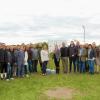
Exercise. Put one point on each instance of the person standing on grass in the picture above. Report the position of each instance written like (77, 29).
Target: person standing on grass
(26, 67)
(72, 56)
(15, 67)
(56, 57)
(13, 60)
(30, 59)
(77, 56)
(39, 50)
(44, 58)
(91, 58)
(98, 59)
(86, 62)
(20, 61)
(82, 58)
(64, 57)
(2, 62)
(35, 57)
(9, 61)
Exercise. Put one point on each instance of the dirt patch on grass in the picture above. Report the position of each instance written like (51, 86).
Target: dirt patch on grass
(61, 93)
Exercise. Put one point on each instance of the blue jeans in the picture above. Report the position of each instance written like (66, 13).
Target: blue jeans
(44, 66)
(82, 66)
(91, 66)
(30, 66)
(20, 69)
(9, 71)
(26, 69)
(77, 62)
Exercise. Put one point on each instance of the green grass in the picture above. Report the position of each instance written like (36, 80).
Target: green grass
(33, 88)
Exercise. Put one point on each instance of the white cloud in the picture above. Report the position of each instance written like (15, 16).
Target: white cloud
(35, 20)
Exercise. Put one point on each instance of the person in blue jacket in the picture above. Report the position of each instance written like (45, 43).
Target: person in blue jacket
(20, 61)
(91, 58)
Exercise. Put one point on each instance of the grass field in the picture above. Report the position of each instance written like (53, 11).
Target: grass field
(33, 88)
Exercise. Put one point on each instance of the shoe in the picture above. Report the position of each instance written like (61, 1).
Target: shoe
(27, 75)
(12, 78)
(1, 78)
(7, 79)
(43, 74)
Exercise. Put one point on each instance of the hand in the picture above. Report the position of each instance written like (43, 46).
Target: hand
(8, 63)
(79, 55)
(93, 58)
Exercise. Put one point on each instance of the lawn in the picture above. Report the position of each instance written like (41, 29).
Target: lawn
(33, 88)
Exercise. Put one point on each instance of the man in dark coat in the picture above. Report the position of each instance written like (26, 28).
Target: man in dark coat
(77, 56)
(64, 57)
(72, 55)
(2, 62)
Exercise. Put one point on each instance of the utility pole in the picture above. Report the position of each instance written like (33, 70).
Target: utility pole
(83, 32)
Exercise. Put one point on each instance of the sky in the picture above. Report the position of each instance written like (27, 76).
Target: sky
(30, 21)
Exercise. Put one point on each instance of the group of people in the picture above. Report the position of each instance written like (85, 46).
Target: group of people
(21, 60)
(84, 57)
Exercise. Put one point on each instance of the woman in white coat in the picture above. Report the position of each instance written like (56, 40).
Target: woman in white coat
(26, 62)
(44, 59)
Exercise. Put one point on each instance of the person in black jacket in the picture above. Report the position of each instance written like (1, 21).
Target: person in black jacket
(2, 62)
(77, 56)
(91, 58)
(56, 57)
(64, 57)
(9, 61)
(72, 55)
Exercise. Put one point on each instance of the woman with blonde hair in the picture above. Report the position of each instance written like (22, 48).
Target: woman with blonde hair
(44, 58)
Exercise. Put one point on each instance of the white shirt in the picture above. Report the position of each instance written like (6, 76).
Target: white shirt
(26, 58)
(44, 55)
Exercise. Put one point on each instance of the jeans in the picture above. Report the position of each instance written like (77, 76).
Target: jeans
(91, 66)
(77, 62)
(82, 66)
(26, 69)
(44, 66)
(30, 66)
(20, 70)
(9, 71)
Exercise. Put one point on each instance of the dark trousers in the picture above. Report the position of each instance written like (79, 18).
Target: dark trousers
(9, 71)
(26, 69)
(72, 60)
(40, 62)
(44, 66)
(3, 66)
(35, 63)
(86, 66)
(57, 61)
(30, 66)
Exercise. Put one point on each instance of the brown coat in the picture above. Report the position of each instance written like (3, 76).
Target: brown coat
(98, 56)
